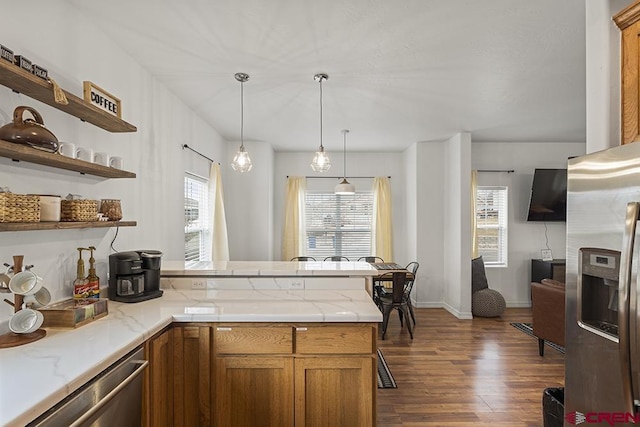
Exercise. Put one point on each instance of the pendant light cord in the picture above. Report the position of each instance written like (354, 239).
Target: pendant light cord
(344, 150)
(321, 146)
(241, 116)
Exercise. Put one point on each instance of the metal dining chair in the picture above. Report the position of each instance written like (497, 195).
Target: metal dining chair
(303, 258)
(336, 258)
(373, 259)
(395, 300)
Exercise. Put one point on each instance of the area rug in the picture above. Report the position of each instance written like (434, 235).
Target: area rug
(385, 379)
(528, 329)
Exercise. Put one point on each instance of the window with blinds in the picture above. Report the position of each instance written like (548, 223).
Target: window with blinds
(338, 224)
(197, 239)
(491, 216)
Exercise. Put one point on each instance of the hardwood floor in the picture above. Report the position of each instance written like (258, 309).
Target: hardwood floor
(480, 372)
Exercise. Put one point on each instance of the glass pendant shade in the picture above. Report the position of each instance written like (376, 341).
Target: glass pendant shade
(321, 161)
(241, 161)
(345, 187)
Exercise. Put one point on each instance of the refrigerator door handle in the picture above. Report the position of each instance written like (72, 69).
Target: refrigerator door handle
(627, 312)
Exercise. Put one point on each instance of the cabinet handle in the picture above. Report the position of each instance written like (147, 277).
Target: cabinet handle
(223, 329)
(301, 329)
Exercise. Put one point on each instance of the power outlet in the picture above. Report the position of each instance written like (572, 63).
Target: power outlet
(198, 284)
(296, 284)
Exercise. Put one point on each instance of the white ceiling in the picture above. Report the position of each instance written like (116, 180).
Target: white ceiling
(399, 71)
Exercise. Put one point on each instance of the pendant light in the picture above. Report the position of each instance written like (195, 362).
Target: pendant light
(345, 187)
(241, 161)
(321, 161)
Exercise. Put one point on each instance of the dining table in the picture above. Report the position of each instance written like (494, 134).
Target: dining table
(399, 276)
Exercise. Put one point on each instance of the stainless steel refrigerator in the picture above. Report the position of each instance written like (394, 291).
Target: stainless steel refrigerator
(602, 364)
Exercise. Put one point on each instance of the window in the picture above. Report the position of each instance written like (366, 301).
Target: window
(197, 246)
(338, 225)
(491, 216)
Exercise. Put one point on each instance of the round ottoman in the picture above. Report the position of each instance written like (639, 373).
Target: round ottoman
(487, 303)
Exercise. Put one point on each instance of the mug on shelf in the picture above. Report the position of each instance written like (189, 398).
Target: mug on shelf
(67, 149)
(116, 162)
(85, 154)
(101, 159)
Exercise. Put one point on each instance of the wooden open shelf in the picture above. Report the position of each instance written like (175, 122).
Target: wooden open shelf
(33, 155)
(26, 226)
(24, 82)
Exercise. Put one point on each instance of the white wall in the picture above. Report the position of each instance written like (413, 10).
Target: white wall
(249, 199)
(525, 238)
(358, 164)
(457, 225)
(603, 74)
(71, 48)
(425, 219)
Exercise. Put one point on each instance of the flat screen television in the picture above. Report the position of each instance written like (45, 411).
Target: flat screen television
(548, 200)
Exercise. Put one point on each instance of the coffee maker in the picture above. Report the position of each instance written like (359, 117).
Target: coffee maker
(134, 276)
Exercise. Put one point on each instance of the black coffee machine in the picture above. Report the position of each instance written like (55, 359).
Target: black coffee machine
(134, 276)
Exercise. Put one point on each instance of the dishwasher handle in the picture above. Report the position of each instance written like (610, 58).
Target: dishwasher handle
(106, 399)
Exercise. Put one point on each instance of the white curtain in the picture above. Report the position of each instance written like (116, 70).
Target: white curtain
(218, 220)
(382, 237)
(294, 230)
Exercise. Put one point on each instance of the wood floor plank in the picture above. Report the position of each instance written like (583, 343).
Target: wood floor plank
(480, 372)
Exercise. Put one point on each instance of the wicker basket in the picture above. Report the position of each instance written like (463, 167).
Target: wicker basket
(79, 210)
(19, 207)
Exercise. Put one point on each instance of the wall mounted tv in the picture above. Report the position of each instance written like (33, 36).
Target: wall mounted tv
(548, 200)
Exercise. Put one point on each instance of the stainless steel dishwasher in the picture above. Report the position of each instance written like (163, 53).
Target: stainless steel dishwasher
(113, 398)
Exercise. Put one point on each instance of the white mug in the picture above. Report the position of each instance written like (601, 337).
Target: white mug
(39, 299)
(116, 162)
(25, 283)
(26, 321)
(101, 159)
(85, 154)
(67, 149)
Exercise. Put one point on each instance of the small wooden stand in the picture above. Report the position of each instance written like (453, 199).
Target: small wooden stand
(11, 339)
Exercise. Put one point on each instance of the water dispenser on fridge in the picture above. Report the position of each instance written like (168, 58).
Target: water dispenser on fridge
(598, 273)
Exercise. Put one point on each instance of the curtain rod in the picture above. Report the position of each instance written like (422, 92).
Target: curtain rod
(497, 170)
(340, 177)
(197, 152)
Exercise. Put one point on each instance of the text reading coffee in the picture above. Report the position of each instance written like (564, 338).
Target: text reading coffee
(104, 102)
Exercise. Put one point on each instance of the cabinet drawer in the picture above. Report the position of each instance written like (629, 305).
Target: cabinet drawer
(334, 340)
(253, 339)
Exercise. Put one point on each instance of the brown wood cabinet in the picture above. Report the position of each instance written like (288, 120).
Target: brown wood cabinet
(158, 385)
(295, 374)
(628, 20)
(334, 391)
(192, 375)
(262, 374)
(254, 391)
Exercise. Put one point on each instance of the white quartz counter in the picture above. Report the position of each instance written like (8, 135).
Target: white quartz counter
(267, 268)
(36, 376)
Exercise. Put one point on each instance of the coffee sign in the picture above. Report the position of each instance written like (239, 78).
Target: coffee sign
(101, 99)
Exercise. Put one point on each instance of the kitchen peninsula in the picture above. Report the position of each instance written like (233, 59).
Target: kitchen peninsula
(292, 322)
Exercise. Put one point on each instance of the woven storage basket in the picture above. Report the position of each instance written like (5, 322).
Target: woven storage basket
(19, 207)
(79, 210)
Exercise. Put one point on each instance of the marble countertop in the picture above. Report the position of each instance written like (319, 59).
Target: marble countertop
(35, 376)
(267, 268)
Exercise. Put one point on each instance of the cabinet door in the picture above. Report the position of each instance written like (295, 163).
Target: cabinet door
(254, 391)
(159, 388)
(192, 375)
(334, 391)
(630, 83)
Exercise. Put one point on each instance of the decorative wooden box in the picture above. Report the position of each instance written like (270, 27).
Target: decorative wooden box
(72, 313)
